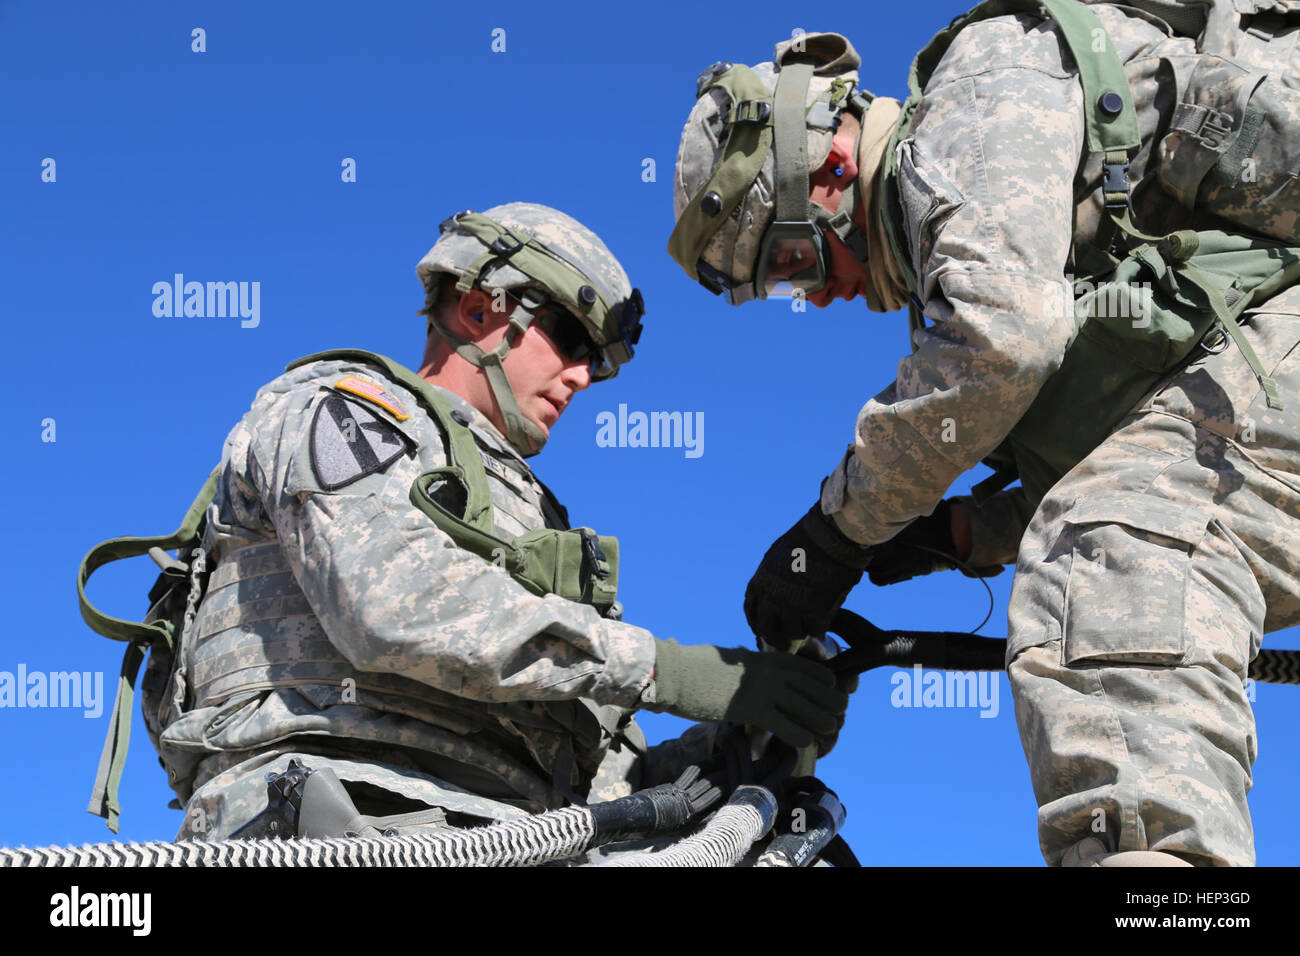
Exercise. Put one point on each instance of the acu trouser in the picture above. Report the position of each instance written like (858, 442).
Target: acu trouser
(1144, 585)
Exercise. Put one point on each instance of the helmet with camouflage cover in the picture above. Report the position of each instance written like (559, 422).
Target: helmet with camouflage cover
(745, 225)
(543, 259)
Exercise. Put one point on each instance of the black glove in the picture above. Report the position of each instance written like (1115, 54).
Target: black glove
(794, 698)
(802, 580)
(923, 547)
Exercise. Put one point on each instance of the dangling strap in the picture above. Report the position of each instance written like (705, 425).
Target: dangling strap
(1228, 320)
(118, 548)
(103, 799)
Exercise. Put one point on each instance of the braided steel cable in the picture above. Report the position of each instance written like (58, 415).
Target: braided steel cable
(556, 835)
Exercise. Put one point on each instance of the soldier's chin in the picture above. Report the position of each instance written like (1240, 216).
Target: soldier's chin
(823, 297)
(840, 289)
(546, 417)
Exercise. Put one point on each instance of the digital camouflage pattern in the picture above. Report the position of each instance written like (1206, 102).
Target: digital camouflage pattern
(456, 251)
(734, 248)
(990, 233)
(344, 624)
(1168, 554)
(1251, 181)
(1129, 676)
(1150, 572)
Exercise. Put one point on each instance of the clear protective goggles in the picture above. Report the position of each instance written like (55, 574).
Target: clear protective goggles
(793, 260)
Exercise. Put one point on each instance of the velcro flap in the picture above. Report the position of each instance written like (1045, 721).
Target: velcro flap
(1144, 512)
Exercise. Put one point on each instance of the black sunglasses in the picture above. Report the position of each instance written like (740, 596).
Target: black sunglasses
(568, 333)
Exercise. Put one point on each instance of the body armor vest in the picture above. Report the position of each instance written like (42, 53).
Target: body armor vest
(230, 677)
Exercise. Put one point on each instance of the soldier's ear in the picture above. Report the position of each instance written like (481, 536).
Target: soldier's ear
(842, 158)
(474, 317)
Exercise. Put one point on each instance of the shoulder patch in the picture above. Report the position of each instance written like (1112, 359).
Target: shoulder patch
(349, 442)
(373, 392)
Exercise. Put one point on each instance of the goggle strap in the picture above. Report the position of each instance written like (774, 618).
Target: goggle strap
(790, 136)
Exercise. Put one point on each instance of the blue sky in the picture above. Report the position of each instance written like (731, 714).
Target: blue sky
(225, 166)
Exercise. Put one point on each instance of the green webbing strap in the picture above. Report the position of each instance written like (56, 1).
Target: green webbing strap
(462, 450)
(1228, 320)
(841, 223)
(139, 636)
(521, 432)
(790, 139)
(118, 548)
(112, 759)
(554, 273)
(1100, 73)
(749, 139)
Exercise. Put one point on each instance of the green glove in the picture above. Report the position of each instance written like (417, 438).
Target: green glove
(794, 698)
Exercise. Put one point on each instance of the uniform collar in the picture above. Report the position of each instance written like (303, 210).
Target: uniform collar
(480, 424)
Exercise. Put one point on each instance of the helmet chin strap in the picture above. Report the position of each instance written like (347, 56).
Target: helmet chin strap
(841, 223)
(523, 435)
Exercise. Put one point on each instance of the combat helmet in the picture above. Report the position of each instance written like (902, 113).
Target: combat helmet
(542, 259)
(745, 225)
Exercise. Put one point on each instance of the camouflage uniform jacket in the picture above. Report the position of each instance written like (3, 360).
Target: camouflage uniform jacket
(340, 618)
(995, 199)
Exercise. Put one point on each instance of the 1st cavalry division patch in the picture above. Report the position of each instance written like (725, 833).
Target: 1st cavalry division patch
(349, 442)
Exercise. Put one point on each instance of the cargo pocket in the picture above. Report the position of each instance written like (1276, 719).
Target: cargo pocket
(1125, 600)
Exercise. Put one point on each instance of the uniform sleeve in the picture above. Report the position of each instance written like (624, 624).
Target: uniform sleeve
(986, 184)
(395, 594)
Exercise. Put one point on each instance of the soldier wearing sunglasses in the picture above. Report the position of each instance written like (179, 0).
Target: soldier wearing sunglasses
(392, 595)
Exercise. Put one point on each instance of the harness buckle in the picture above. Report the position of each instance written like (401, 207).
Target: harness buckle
(1214, 129)
(753, 111)
(1115, 185)
(595, 554)
(506, 245)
